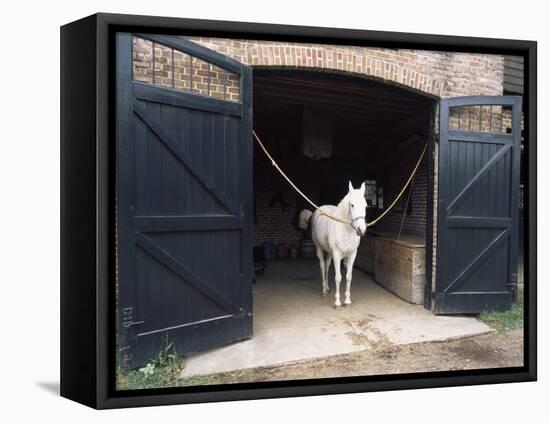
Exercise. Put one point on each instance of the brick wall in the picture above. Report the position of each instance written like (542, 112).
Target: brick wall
(507, 120)
(275, 207)
(441, 74)
(396, 174)
(275, 222)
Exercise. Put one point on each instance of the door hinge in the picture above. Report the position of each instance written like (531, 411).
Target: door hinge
(128, 318)
(513, 284)
(128, 333)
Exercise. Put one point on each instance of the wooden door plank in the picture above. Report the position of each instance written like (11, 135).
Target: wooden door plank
(194, 280)
(475, 180)
(170, 143)
(211, 222)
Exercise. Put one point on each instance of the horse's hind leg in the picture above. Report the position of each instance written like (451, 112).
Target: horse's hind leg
(328, 260)
(321, 257)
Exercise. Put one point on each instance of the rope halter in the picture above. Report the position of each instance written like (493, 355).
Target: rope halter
(351, 221)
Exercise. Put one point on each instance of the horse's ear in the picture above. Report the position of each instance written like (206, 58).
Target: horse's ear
(362, 189)
(350, 186)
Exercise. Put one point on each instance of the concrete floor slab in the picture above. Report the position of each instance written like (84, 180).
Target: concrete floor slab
(293, 322)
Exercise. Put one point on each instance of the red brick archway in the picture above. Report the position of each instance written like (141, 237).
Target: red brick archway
(436, 74)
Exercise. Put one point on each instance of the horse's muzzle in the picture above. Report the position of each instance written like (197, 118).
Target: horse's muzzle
(359, 232)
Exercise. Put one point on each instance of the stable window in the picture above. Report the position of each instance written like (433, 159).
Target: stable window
(156, 64)
(371, 193)
(496, 119)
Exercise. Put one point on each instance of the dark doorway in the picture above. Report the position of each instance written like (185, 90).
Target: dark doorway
(327, 128)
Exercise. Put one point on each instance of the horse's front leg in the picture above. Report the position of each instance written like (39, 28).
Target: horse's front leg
(337, 279)
(349, 268)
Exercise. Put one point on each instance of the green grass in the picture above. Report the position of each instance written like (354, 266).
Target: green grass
(157, 373)
(507, 320)
(165, 371)
(160, 372)
(160, 377)
(167, 374)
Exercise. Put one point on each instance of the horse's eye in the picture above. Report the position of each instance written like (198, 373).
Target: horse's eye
(352, 206)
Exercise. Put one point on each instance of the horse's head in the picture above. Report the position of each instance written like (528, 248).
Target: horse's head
(357, 209)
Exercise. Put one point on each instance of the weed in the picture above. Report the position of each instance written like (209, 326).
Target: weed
(162, 371)
(507, 320)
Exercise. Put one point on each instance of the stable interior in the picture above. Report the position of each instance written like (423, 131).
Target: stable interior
(325, 129)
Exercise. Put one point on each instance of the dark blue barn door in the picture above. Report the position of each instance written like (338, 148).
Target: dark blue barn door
(184, 197)
(478, 204)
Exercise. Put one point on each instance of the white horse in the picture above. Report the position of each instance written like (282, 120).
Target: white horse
(339, 241)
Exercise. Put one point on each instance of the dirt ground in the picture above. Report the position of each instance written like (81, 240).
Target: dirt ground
(497, 349)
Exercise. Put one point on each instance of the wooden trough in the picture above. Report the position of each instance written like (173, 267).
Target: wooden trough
(397, 265)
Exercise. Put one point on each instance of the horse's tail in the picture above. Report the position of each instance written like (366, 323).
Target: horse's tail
(303, 219)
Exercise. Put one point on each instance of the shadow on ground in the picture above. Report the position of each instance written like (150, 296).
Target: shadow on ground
(51, 387)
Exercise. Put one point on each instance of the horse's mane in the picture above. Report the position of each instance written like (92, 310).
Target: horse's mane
(342, 202)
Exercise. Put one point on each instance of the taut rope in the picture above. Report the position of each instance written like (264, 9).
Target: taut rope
(316, 207)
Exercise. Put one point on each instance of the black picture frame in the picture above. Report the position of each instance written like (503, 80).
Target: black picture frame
(87, 211)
